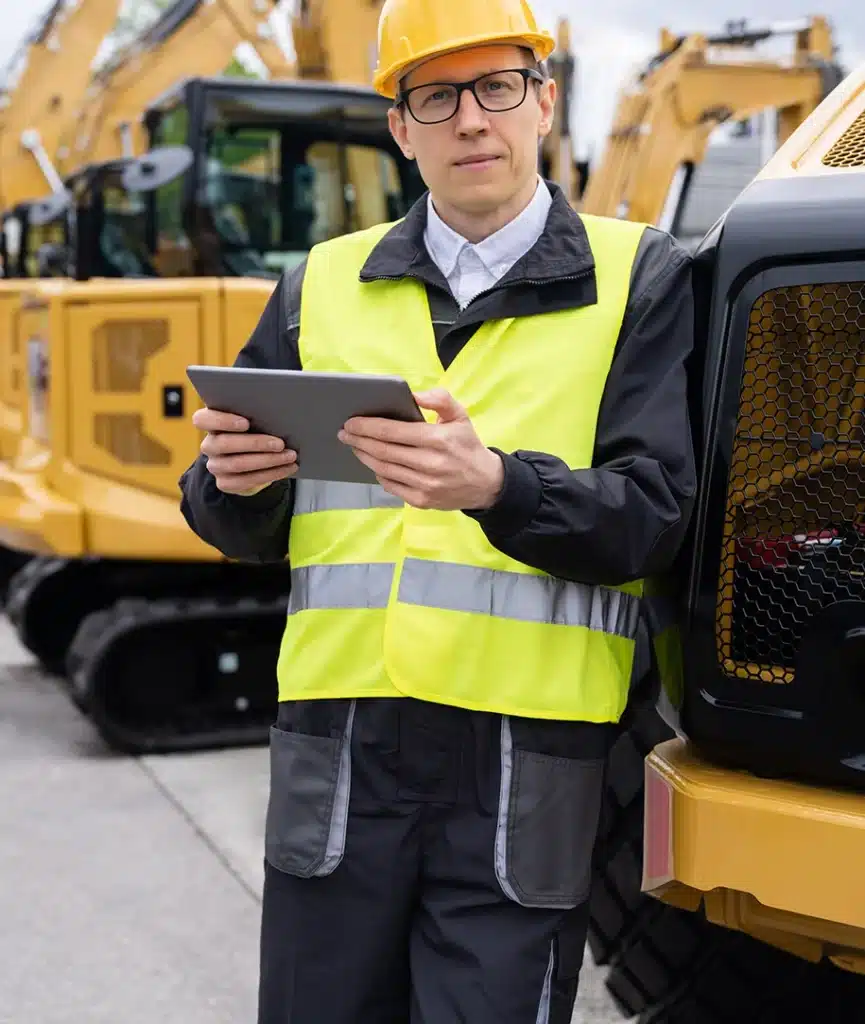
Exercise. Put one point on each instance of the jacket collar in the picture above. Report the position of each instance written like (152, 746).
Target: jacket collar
(562, 251)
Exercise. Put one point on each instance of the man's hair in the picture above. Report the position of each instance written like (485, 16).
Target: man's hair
(535, 64)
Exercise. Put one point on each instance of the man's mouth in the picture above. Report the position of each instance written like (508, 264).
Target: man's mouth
(479, 159)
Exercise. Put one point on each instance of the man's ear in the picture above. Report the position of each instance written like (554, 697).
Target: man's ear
(397, 125)
(547, 103)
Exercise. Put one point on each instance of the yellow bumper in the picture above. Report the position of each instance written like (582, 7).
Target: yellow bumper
(780, 860)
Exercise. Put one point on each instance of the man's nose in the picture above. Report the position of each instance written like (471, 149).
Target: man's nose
(471, 118)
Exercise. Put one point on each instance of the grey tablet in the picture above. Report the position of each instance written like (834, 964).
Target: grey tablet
(307, 410)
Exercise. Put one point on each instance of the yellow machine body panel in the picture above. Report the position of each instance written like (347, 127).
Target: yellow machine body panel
(837, 148)
(768, 857)
(105, 414)
(13, 368)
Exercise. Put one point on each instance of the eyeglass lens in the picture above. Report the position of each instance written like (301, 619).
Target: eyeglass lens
(502, 90)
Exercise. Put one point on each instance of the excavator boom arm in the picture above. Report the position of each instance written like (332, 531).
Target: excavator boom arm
(192, 38)
(49, 90)
(336, 42)
(664, 123)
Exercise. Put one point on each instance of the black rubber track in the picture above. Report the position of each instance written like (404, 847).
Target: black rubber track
(165, 676)
(49, 598)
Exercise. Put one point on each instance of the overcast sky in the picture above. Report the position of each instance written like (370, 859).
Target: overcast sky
(618, 36)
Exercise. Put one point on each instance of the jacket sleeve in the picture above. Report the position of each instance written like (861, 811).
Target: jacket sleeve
(624, 518)
(253, 528)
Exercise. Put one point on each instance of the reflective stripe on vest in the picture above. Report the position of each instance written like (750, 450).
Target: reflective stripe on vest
(465, 588)
(390, 600)
(461, 588)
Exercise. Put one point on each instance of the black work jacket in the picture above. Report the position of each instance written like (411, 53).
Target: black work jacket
(620, 520)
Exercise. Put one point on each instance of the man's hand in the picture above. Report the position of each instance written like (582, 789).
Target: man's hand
(442, 465)
(240, 462)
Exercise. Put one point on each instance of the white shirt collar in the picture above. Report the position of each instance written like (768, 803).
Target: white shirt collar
(499, 251)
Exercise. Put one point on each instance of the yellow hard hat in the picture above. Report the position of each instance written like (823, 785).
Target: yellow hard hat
(410, 31)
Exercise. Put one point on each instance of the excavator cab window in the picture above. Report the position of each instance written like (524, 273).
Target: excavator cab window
(275, 191)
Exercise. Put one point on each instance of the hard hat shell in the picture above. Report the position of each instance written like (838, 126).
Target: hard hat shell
(410, 31)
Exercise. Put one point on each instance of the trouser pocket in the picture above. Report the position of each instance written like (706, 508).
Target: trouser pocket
(310, 784)
(549, 807)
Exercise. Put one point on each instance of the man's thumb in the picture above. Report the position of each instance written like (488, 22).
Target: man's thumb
(441, 402)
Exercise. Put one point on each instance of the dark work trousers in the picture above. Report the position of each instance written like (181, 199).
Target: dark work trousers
(426, 864)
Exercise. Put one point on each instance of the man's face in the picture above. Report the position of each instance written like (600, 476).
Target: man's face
(477, 160)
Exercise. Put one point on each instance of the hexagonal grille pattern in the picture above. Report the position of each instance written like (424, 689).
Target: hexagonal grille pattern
(849, 150)
(794, 527)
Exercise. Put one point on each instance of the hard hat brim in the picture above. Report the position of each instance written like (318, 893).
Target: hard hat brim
(386, 81)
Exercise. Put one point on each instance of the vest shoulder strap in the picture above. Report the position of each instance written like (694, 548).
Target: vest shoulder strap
(610, 237)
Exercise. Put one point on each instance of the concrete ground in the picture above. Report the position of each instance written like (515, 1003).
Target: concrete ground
(129, 888)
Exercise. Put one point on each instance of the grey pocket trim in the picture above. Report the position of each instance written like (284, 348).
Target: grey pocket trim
(548, 815)
(339, 817)
(307, 813)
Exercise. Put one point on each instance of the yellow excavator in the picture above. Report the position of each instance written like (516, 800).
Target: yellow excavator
(665, 117)
(74, 141)
(78, 139)
(728, 886)
(45, 82)
(176, 253)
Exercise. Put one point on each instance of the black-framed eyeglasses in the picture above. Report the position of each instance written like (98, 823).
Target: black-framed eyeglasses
(496, 92)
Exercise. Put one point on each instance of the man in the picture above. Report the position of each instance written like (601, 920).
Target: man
(460, 638)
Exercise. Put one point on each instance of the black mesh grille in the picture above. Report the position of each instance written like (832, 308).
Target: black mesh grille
(794, 529)
(849, 150)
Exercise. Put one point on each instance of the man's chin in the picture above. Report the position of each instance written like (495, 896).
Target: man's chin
(480, 196)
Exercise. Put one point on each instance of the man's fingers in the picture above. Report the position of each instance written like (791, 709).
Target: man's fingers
(232, 465)
(442, 402)
(398, 454)
(232, 444)
(394, 472)
(238, 484)
(415, 435)
(214, 419)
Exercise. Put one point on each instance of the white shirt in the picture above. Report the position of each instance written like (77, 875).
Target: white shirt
(470, 269)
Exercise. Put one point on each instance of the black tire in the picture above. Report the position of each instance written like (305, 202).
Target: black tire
(737, 979)
(616, 899)
(671, 966)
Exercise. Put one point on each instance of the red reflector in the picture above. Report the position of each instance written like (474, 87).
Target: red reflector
(657, 831)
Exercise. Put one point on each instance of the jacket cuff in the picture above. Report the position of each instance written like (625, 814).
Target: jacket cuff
(518, 500)
(267, 500)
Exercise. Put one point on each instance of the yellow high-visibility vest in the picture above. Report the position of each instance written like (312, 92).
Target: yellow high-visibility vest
(389, 600)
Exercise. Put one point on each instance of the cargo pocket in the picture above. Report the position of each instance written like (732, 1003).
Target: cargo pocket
(548, 815)
(307, 812)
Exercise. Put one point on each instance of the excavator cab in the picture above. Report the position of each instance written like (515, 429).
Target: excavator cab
(278, 167)
(35, 238)
(110, 225)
